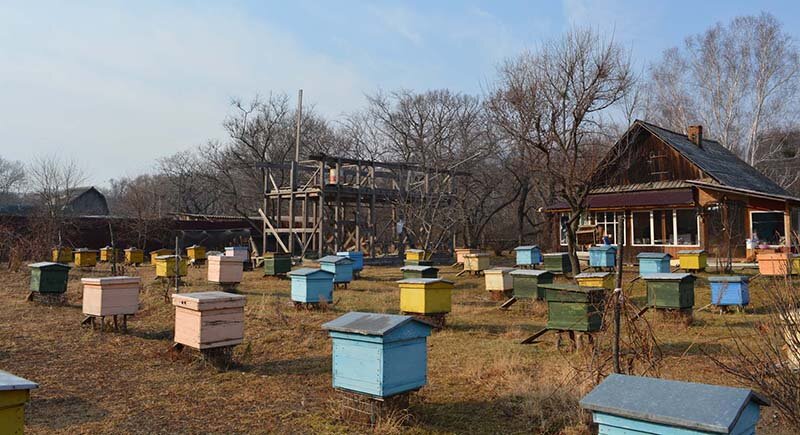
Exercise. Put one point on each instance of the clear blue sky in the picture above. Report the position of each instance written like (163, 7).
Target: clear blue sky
(118, 84)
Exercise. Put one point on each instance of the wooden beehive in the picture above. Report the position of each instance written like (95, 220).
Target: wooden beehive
(627, 405)
(418, 263)
(277, 264)
(729, 290)
(693, 259)
(48, 277)
(477, 262)
(602, 256)
(165, 266)
(460, 252)
(240, 252)
(110, 296)
(158, 253)
(419, 272)
(342, 268)
(670, 290)
(653, 262)
(557, 262)
(85, 257)
(62, 255)
(196, 253)
(526, 283)
(774, 263)
(415, 254)
(208, 319)
(224, 270)
(14, 393)
(596, 279)
(499, 279)
(574, 308)
(425, 295)
(108, 254)
(311, 285)
(529, 255)
(356, 256)
(379, 355)
(134, 256)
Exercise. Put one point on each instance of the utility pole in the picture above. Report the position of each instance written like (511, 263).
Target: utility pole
(297, 126)
(293, 171)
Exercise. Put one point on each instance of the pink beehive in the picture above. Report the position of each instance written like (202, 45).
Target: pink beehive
(110, 296)
(225, 269)
(206, 320)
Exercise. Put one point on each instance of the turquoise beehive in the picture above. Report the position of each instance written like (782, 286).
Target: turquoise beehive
(311, 285)
(342, 268)
(602, 256)
(356, 256)
(653, 262)
(379, 355)
(528, 255)
(623, 405)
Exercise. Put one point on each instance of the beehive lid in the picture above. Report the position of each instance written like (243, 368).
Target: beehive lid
(416, 268)
(691, 251)
(306, 271)
(356, 322)
(555, 254)
(202, 300)
(11, 382)
(572, 288)
(656, 255)
(221, 258)
(530, 272)
(499, 270)
(276, 255)
(48, 264)
(110, 280)
(729, 278)
(334, 259)
(236, 248)
(166, 257)
(423, 281)
(194, 247)
(477, 254)
(415, 250)
(526, 248)
(701, 407)
(665, 276)
(592, 275)
(132, 249)
(350, 254)
(105, 248)
(602, 248)
(84, 250)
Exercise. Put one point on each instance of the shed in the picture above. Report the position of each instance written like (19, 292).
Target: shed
(134, 256)
(419, 272)
(225, 270)
(529, 255)
(196, 253)
(311, 285)
(602, 256)
(693, 259)
(206, 320)
(477, 262)
(730, 290)
(415, 254)
(48, 277)
(108, 254)
(158, 253)
(342, 268)
(85, 257)
(670, 290)
(276, 263)
(653, 262)
(596, 279)
(62, 254)
(14, 393)
(774, 263)
(526, 283)
(165, 266)
(379, 355)
(574, 308)
(356, 256)
(557, 262)
(460, 252)
(624, 404)
(111, 296)
(425, 295)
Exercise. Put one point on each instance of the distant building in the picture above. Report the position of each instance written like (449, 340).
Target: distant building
(82, 201)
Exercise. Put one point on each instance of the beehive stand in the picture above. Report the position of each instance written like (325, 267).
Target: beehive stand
(366, 410)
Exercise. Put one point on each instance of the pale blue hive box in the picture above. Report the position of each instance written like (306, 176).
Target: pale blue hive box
(528, 255)
(342, 268)
(602, 256)
(356, 256)
(653, 262)
(311, 285)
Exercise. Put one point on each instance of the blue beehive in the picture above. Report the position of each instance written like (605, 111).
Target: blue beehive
(528, 255)
(356, 256)
(342, 268)
(729, 290)
(602, 256)
(379, 355)
(624, 404)
(311, 285)
(653, 262)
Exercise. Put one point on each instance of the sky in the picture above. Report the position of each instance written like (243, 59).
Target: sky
(117, 84)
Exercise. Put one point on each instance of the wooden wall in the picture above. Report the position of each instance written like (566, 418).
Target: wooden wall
(649, 160)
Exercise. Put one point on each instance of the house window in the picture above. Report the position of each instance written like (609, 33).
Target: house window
(666, 228)
(608, 222)
(642, 230)
(767, 227)
(663, 228)
(686, 227)
(563, 219)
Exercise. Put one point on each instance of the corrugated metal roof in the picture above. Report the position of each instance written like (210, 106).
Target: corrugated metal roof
(728, 278)
(638, 187)
(14, 382)
(691, 251)
(308, 271)
(656, 255)
(689, 405)
(530, 272)
(526, 248)
(42, 264)
(368, 323)
(592, 275)
(665, 276)
(423, 281)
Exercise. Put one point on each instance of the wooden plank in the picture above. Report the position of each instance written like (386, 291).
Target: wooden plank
(532, 338)
(275, 233)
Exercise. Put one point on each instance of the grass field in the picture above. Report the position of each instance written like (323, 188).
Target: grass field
(480, 379)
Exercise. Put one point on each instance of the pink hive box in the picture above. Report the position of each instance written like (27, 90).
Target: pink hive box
(206, 320)
(110, 296)
(225, 269)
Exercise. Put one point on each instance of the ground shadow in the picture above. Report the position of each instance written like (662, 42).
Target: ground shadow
(62, 412)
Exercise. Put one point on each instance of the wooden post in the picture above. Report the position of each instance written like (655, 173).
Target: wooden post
(321, 216)
(177, 266)
(292, 186)
(787, 227)
(617, 299)
(358, 207)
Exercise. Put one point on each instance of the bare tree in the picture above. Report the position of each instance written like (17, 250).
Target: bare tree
(12, 177)
(53, 180)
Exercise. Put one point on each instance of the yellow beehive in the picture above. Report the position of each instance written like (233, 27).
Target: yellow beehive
(14, 393)
(108, 253)
(415, 255)
(165, 266)
(196, 253)
(499, 279)
(159, 252)
(694, 259)
(596, 279)
(476, 262)
(460, 252)
(425, 295)
(62, 255)
(134, 256)
(85, 257)
(795, 265)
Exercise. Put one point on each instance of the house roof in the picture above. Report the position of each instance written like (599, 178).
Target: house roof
(368, 323)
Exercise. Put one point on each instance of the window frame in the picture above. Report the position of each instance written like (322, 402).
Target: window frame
(752, 212)
(674, 242)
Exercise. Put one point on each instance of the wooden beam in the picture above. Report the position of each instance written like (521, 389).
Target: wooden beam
(275, 233)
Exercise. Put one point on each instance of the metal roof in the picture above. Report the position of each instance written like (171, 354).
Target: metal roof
(334, 259)
(43, 264)
(554, 254)
(689, 405)
(530, 272)
(603, 248)
(305, 271)
(499, 270)
(13, 382)
(423, 281)
(729, 278)
(571, 287)
(640, 187)
(368, 323)
(416, 268)
(692, 251)
(593, 275)
(209, 296)
(526, 248)
(665, 276)
(658, 255)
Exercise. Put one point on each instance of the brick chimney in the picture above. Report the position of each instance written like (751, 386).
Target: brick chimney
(695, 134)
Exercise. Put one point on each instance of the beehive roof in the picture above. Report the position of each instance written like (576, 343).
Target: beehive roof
(729, 278)
(665, 276)
(691, 251)
(356, 322)
(44, 264)
(423, 281)
(602, 248)
(658, 255)
(333, 259)
(554, 254)
(526, 248)
(531, 272)
(417, 268)
(689, 405)
(415, 250)
(593, 275)
(112, 280)
(499, 270)
(305, 271)
(12, 382)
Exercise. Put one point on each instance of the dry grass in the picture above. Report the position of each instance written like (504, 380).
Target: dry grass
(480, 379)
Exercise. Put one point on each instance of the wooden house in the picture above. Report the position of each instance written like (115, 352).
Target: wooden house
(225, 270)
(111, 296)
(527, 283)
(675, 191)
(379, 355)
(654, 262)
(529, 255)
(108, 254)
(557, 262)
(357, 257)
(693, 259)
(311, 286)
(425, 295)
(624, 404)
(342, 268)
(276, 263)
(62, 254)
(165, 266)
(158, 253)
(48, 277)
(596, 279)
(729, 290)
(85, 257)
(206, 320)
(196, 253)
(14, 393)
(134, 256)
(602, 256)
(419, 272)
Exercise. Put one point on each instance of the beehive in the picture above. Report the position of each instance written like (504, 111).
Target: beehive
(526, 283)
(240, 252)
(47, 277)
(415, 254)
(379, 355)
(342, 268)
(419, 272)
(158, 253)
(134, 256)
(477, 262)
(557, 262)
(224, 270)
(460, 252)
(208, 319)
(165, 266)
(729, 290)
(62, 255)
(14, 393)
(499, 279)
(528, 255)
(196, 253)
(625, 405)
(110, 296)
(774, 263)
(653, 262)
(602, 256)
(795, 264)
(693, 259)
(311, 285)
(108, 254)
(574, 308)
(85, 257)
(425, 295)
(596, 279)
(418, 263)
(356, 256)
(670, 290)
(277, 264)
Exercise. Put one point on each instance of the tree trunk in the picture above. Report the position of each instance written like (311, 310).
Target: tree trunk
(572, 250)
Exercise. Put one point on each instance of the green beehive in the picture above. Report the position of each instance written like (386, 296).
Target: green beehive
(670, 290)
(574, 308)
(527, 283)
(557, 262)
(277, 264)
(410, 272)
(418, 263)
(47, 277)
